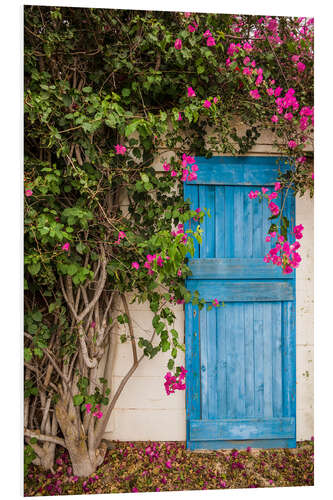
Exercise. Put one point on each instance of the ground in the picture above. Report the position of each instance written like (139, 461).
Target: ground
(168, 466)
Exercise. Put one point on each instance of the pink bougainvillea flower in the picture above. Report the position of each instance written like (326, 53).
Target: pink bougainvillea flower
(187, 14)
(207, 34)
(160, 261)
(88, 407)
(300, 67)
(190, 92)
(277, 186)
(298, 231)
(215, 100)
(273, 234)
(268, 238)
(179, 272)
(179, 117)
(210, 41)
(28, 192)
(255, 94)
(178, 44)
(277, 91)
(292, 144)
(270, 91)
(98, 414)
(288, 116)
(120, 150)
(281, 239)
(134, 490)
(192, 28)
(166, 166)
(274, 119)
(215, 303)
(192, 176)
(173, 173)
(207, 104)
(93, 324)
(65, 247)
(272, 196)
(247, 47)
(273, 208)
(312, 176)
(195, 168)
(264, 190)
(135, 265)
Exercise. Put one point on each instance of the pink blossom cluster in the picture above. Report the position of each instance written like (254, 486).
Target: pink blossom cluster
(121, 236)
(120, 150)
(171, 383)
(283, 253)
(65, 247)
(151, 258)
(189, 168)
(97, 413)
(180, 230)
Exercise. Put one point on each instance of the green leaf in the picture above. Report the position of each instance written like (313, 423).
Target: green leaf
(37, 316)
(126, 92)
(27, 354)
(144, 178)
(78, 399)
(171, 364)
(34, 268)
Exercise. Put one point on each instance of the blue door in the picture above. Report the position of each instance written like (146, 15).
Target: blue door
(240, 357)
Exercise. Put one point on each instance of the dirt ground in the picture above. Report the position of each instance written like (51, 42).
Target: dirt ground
(168, 466)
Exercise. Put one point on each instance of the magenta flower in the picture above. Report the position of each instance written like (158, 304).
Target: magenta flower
(255, 94)
(168, 464)
(187, 14)
(120, 150)
(215, 303)
(273, 208)
(210, 41)
(292, 144)
(66, 247)
(207, 34)
(268, 238)
(274, 119)
(288, 116)
(264, 190)
(135, 265)
(179, 117)
(247, 47)
(88, 407)
(166, 166)
(277, 186)
(190, 92)
(277, 91)
(300, 67)
(179, 272)
(178, 44)
(93, 324)
(215, 100)
(246, 60)
(28, 192)
(270, 91)
(207, 104)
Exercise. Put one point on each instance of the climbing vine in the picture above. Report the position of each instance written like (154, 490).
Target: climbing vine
(118, 105)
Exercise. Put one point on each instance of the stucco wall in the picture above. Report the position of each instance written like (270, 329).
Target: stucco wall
(145, 412)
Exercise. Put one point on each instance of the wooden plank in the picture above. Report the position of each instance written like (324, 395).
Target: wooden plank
(211, 365)
(207, 200)
(239, 333)
(220, 231)
(258, 338)
(231, 348)
(219, 444)
(289, 359)
(235, 268)
(204, 362)
(191, 192)
(237, 171)
(276, 360)
(247, 224)
(243, 291)
(249, 360)
(242, 428)
(229, 222)
(222, 382)
(193, 409)
(238, 217)
(268, 327)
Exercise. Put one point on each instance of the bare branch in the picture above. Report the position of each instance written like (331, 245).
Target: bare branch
(44, 437)
(130, 326)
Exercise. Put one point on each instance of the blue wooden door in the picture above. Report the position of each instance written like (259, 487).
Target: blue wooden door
(241, 387)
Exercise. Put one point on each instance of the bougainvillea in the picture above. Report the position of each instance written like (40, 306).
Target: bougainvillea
(107, 94)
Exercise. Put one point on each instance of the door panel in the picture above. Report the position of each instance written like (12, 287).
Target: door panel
(240, 356)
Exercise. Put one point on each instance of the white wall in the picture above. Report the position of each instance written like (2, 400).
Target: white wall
(145, 412)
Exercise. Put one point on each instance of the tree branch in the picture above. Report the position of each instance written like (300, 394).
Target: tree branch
(44, 437)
